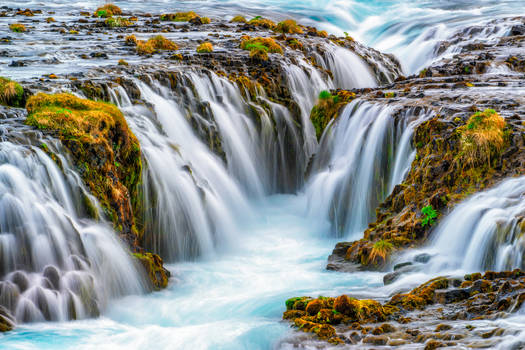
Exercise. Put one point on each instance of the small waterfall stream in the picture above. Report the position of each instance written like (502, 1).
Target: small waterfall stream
(485, 232)
(56, 264)
(363, 155)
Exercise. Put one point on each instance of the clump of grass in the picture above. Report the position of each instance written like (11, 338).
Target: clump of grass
(381, 249)
(11, 93)
(50, 20)
(429, 216)
(322, 34)
(205, 20)
(108, 10)
(262, 22)
(205, 48)
(122, 62)
(131, 40)
(270, 44)
(288, 26)
(482, 137)
(158, 42)
(260, 47)
(179, 16)
(295, 44)
(114, 22)
(18, 28)
(238, 19)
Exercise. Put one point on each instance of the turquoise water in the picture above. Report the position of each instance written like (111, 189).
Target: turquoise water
(234, 300)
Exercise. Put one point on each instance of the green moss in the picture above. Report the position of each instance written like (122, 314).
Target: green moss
(327, 108)
(179, 16)
(153, 266)
(17, 28)
(115, 22)
(98, 137)
(288, 26)
(11, 93)
(238, 19)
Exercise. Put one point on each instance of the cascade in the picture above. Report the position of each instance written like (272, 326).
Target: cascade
(484, 232)
(55, 263)
(263, 150)
(362, 156)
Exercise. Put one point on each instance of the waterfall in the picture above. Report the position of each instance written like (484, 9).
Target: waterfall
(362, 156)
(484, 232)
(55, 264)
(348, 69)
(191, 202)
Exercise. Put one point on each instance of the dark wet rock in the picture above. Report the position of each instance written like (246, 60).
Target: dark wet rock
(451, 296)
(393, 276)
(52, 274)
(401, 265)
(423, 258)
(7, 321)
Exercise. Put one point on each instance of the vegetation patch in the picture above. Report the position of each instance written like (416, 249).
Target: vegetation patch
(107, 11)
(260, 47)
(205, 48)
(327, 109)
(104, 149)
(114, 22)
(11, 93)
(179, 16)
(482, 138)
(259, 21)
(153, 265)
(288, 26)
(238, 19)
(155, 44)
(18, 28)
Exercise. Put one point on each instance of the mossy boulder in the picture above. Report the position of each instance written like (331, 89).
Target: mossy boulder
(327, 108)
(153, 266)
(104, 150)
(11, 93)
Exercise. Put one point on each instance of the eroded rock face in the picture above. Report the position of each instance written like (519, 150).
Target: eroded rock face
(423, 315)
(441, 175)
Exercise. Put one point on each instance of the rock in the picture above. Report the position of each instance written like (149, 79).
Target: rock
(398, 266)
(376, 340)
(518, 29)
(450, 295)
(52, 274)
(393, 276)
(423, 258)
(7, 322)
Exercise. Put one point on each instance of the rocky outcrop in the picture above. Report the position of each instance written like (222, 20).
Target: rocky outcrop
(421, 316)
(461, 151)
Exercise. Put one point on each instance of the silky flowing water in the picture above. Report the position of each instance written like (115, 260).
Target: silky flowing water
(236, 257)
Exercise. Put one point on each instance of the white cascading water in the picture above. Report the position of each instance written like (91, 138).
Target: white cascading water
(211, 194)
(348, 69)
(363, 155)
(484, 232)
(204, 201)
(55, 264)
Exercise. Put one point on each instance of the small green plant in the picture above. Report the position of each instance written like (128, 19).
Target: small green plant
(325, 95)
(429, 216)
